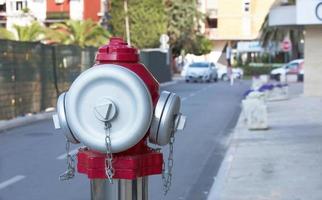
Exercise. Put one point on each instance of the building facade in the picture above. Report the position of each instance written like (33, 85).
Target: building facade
(307, 14)
(231, 21)
(22, 12)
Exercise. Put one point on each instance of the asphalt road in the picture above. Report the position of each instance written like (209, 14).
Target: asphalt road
(31, 157)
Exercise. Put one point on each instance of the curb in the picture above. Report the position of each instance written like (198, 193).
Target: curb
(21, 121)
(224, 170)
(169, 83)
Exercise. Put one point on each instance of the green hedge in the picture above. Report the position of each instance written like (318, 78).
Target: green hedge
(275, 65)
(254, 71)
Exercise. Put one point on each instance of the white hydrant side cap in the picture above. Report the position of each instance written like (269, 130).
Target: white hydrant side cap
(56, 121)
(180, 122)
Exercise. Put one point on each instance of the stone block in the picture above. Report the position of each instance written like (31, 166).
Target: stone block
(255, 113)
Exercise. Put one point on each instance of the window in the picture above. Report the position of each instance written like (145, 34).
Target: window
(59, 1)
(212, 22)
(199, 65)
(19, 5)
(246, 5)
(292, 66)
(3, 8)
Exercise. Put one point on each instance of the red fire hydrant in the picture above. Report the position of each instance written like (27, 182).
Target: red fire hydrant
(140, 160)
(115, 110)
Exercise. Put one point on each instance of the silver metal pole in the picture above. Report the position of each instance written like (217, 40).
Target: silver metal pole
(127, 26)
(121, 189)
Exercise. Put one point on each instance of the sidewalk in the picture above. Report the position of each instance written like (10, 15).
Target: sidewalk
(282, 163)
(24, 120)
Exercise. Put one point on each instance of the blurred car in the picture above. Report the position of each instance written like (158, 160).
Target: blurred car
(238, 73)
(222, 70)
(293, 67)
(201, 71)
(300, 76)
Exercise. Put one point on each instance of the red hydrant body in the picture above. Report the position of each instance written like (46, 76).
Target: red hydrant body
(140, 160)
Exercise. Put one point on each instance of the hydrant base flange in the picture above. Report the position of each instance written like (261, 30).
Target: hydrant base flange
(92, 163)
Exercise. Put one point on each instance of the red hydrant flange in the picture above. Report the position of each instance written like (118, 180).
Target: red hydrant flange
(92, 163)
(140, 160)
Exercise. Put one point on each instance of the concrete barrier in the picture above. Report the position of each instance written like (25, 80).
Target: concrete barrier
(255, 111)
(279, 92)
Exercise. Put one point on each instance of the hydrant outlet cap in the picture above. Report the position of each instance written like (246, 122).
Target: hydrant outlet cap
(117, 50)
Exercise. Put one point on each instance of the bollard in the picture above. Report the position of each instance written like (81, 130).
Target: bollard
(255, 111)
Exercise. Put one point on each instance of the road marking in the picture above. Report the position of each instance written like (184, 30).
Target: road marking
(195, 93)
(11, 181)
(63, 156)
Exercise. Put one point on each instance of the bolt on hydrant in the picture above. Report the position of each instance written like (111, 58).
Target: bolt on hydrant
(115, 110)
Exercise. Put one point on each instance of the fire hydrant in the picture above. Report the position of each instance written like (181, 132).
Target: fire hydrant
(115, 109)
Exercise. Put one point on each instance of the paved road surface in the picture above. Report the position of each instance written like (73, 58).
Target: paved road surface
(31, 156)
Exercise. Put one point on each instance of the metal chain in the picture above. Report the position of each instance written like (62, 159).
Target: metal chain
(109, 170)
(167, 174)
(70, 172)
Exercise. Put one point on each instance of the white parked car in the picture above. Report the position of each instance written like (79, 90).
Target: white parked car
(222, 70)
(293, 67)
(201, 71)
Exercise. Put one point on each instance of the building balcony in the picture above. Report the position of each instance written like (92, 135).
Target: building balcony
(57, 15)
(305, 12)
(283, 16)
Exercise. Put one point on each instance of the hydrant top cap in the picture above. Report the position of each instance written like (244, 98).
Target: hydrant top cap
(117, 50)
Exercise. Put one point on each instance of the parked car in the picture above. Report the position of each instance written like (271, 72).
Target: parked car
(201, 71)
(293, 67)
(223, 72)
(300, 76)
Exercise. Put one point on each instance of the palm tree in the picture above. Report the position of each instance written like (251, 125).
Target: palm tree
(33, 32)
(6, 35)
(81, 33)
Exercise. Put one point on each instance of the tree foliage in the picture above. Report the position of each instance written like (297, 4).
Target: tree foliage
(183, 27)
(147, 21)
(32, 32)
(201, 45)
(5, 34)
(181, 24)
(81, 33)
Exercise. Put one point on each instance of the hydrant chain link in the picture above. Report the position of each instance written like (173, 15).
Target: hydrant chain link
(167, 174)
(109, 170)
(70, 172)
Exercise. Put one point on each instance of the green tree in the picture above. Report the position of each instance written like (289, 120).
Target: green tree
(181, 24)
(183, 27)
(32, 32)
(147, 21)
(81, 33)
(202, 45)
(5, 34)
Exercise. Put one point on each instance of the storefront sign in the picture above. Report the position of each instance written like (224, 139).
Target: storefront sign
(318, 11)
(309, 12)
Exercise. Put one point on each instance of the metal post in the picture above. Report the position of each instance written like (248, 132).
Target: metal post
(127, 26)
(121, 189)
